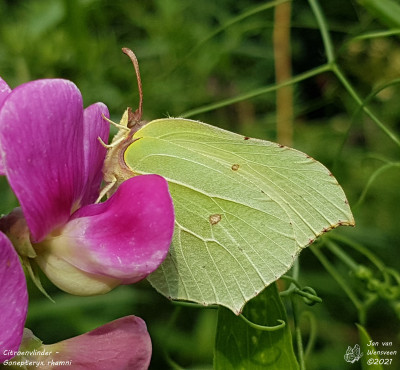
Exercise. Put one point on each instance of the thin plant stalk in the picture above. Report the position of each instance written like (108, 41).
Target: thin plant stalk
(283, 72)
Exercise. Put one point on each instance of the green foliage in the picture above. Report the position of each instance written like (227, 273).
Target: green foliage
(240, 346)
(387, 11)
(365, 340)
(205, 57)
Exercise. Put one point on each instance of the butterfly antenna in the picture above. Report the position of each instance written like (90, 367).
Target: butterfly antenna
(132, 57)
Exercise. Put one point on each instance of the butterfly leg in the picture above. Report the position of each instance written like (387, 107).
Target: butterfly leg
(106, 189)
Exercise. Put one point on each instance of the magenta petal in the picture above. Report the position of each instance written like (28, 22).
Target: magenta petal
(41, 136)
(120, 344)
(128, 236)
(2, 169)
(95, 126)
(13, 299)
(4, 92)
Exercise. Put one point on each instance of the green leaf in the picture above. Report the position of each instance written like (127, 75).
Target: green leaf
(365, 340)
(240, 346)
(244, 208)
(33, 271)
(387, 11)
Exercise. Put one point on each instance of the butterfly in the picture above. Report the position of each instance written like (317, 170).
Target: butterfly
(244, 207)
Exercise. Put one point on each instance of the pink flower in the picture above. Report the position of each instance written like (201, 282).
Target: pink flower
(120, 344)
(13, 299)
(52, 158)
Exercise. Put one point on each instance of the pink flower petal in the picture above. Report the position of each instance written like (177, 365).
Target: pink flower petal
(127, 237)
(95, 126)
(4, 92)
(13, 299)
(123, 344)
(41, 136)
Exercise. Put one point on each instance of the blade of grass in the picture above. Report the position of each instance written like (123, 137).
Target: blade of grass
(262, 90)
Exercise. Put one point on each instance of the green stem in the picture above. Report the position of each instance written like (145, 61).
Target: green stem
(376, 91)
(223, 27)
(339, 74)
(375, 34)
(291, 279)
(323, 26)
(263, 90)
(372, 179)
(169, 327)
(299, 342)
(335, 249)
(360, 249)
(361, 307)
(281, 325)
(298, 289)
(312, 297)
(336, 70)
(173, 365)
(313, 333)
(293, 287)
(238, 19)
(339, 279)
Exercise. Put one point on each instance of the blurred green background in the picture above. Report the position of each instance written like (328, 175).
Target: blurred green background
(185, 64)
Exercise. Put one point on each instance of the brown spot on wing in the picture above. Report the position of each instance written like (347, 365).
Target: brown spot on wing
(214, 219)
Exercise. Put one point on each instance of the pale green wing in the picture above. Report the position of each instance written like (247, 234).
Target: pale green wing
(244, 208)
